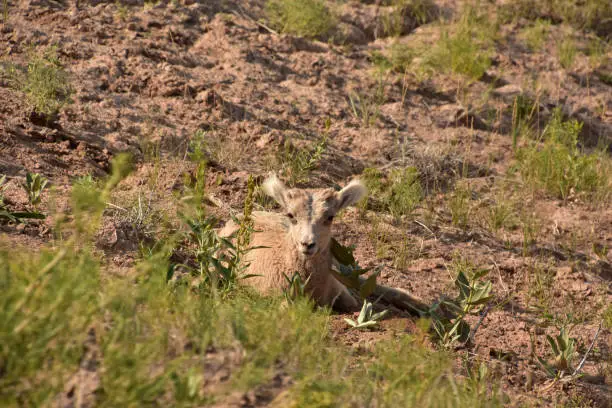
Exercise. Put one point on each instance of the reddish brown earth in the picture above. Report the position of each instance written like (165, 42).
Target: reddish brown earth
(156, 76)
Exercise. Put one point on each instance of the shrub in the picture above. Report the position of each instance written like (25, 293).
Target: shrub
(44, 82)
(536, 35)
(560, 167)
(305, 18)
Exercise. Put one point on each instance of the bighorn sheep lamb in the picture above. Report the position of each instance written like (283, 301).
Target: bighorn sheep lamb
(298, 241)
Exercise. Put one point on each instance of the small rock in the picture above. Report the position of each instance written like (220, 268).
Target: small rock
(508, 90)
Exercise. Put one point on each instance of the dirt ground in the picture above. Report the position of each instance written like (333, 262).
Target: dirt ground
(146, 80)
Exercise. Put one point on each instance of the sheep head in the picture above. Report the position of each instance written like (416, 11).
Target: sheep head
(310, 213)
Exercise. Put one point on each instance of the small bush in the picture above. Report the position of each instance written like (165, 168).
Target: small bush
(559, 167)
(305, 18)
(536, 35)
(405, 191)
(460, 54)
(44, 82)
(465, 49)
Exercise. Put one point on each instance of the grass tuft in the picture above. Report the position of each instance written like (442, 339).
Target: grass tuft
(399, 192)
(567, 52)
(559, 166)
(465, 48)
(536, 36)
(304, 18)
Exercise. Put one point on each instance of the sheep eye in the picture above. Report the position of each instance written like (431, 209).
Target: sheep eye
(290, 216)
(330, 218)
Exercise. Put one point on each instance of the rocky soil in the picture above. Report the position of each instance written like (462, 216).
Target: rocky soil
(148, 77)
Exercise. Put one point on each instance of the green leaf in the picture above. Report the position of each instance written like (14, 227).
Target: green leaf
(364, 311)
(463, 331)
(553, 345)
(369, 323)
(482, 371)
(170, 272)
(29, 214)
(343, 254)
(8, 215)
(249, 275)
(463, 285)
(380, 315)
(368, 286)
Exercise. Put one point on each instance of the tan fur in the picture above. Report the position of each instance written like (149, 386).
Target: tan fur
(300, 243)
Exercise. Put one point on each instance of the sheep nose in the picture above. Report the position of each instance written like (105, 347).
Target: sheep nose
(308, 245)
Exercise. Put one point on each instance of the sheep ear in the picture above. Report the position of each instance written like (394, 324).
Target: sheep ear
(275, 189)
(350, 194)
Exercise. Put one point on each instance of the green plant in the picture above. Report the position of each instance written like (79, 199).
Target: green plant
(123, 11)
(588, 14)
(466, 48)
(5, 11)
(473, 292)
(524, 110)
(459, 205)
(218, 261)
(14, 216)
(381, 63)
(366, 318)
(567, 52)
(49, 302)
(405, 191)
(296, 287)
(530, 227)
(34, 186)
(366, 107)
(536, 35)
(305, 18)
(563, 349)
(540, 280)
(499, 214)
(607, 317)
(350, 273)
(296, 164)
(399, 193)
(405, 15)
(44, 82)
(559, 167)
(401, 56)
(597, 52)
